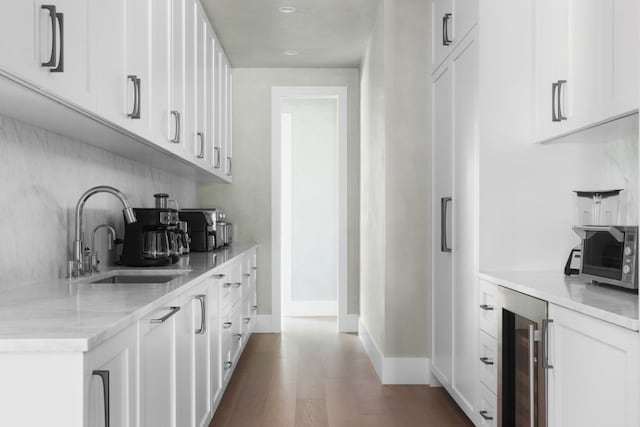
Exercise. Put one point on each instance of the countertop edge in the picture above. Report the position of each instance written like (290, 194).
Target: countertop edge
(607, 316)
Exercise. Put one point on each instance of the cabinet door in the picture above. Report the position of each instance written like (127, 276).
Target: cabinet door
(595, 376)
(229, 118)
(177, 94)
(136, 78)
(160, 72)
(621, 38)
(567, 71)
(202, 152)
(215, 337)
(185, 367)
(111, 377)
(190, 97)
(203, 303)
(465, 314)
(220, 164)
(34, 35)
(210, 99)
(157, 395)
(441, 330)
(442, 25)
(107, 57)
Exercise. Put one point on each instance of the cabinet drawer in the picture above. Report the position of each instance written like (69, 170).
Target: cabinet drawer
(487, 407)
(488, 321)
(488, 361)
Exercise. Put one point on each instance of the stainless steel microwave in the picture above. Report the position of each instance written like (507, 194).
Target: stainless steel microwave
(609, 254)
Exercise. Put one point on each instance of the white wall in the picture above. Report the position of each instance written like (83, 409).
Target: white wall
(248, 199)
(42, 175)
(314, 198)
(395, 180)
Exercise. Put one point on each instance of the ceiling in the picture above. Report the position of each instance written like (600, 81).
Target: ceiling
(325, 33)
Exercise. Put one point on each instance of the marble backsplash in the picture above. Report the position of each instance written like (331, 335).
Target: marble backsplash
(42, 175)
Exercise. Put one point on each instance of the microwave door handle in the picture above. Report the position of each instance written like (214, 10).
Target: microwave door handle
(581, 231)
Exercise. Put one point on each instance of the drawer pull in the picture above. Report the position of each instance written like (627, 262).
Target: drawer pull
(226, 285)
(237, 337)
(218, 276)
(104, 376)
(227, 325)
(486, 361)
(236, 285)
(485, 414)
(254, 307)
(486, 307)
(247, 319)
(172, 311)
(254, 268)
(247, 274)
(228, 365)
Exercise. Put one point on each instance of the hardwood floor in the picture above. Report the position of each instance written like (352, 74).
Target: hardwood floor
(312, 376)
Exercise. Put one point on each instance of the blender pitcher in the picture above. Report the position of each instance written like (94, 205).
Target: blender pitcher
(598, 207)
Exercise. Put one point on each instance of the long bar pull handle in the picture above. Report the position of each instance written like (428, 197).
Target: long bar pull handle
(176, 136)
(531, 375)
(229, 172)
(135, 112)
(201, 136)
(104, 376)
(486, 361)
(545, 343)
(172, 311)
(54, 37)
(216, 151)
(561, 116)
(485, 414)
(554, 114)
(203, 308)
(445, 29)
(444, 202)
(60, 67)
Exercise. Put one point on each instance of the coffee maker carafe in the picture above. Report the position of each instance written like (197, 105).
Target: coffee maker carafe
(147, 241)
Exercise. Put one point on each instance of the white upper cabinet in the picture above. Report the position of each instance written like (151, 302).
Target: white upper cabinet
(177, 93)
(138, 49)
(160, 72)
(585, 64)
(451, 21)
(45, 43)
(202, 152)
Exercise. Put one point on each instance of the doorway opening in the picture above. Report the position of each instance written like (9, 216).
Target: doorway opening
(309, 199)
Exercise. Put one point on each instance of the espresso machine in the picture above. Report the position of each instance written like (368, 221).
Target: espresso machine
(152, 240)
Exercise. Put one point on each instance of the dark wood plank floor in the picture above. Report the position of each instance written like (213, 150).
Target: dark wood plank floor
(312, 376)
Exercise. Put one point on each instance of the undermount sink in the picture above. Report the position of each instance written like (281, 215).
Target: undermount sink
(138, 277)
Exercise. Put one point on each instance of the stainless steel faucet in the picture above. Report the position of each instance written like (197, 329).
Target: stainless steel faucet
(129, 216)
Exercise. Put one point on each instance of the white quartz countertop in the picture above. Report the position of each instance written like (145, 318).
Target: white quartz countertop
(74, 316)
(613, 305)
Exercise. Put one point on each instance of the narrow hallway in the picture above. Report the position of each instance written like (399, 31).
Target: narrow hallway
(312, 376)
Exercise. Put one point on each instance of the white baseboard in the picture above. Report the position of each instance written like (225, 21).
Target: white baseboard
(348, 323)
(310, 308)
(263, 324)
(395, 370)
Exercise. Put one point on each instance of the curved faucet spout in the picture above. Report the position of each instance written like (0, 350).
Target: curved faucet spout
(129, 216)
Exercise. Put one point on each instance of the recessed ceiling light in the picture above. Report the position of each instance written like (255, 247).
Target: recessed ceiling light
(290, 52)
(287, 9)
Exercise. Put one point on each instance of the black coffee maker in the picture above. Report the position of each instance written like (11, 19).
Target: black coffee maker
(149, 241)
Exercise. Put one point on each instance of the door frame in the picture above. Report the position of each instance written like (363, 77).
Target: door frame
(278, 94)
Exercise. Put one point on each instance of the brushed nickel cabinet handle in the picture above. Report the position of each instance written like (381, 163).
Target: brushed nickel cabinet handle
(135, 112)
(237, 337)
(486, 361)
(445, 29)
(203, 307)
(176, 117)
(172, 311)
(561, 116)
(227, 325)
(54, 36)
(247, 274)
(444, 203)
(60, 67)
(554, 91)
(254, 307)
(485, 414)
(226, 285)
(486, 307)
(237, 285)
(246, 320)
(229, 172)
(218, 276)
(228, 365)
(104, 376)
(545, 344)
(216, 150)
(201, 136)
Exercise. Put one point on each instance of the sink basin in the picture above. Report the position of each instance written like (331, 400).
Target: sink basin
(138, 277)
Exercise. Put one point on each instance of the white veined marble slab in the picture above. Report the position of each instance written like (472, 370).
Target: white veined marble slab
(71, 315)
(606, 303)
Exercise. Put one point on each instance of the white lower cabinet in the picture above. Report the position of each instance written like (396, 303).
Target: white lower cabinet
(110, 379)
(595, 377)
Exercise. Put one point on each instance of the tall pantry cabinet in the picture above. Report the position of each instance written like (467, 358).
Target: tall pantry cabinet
(454, 181)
